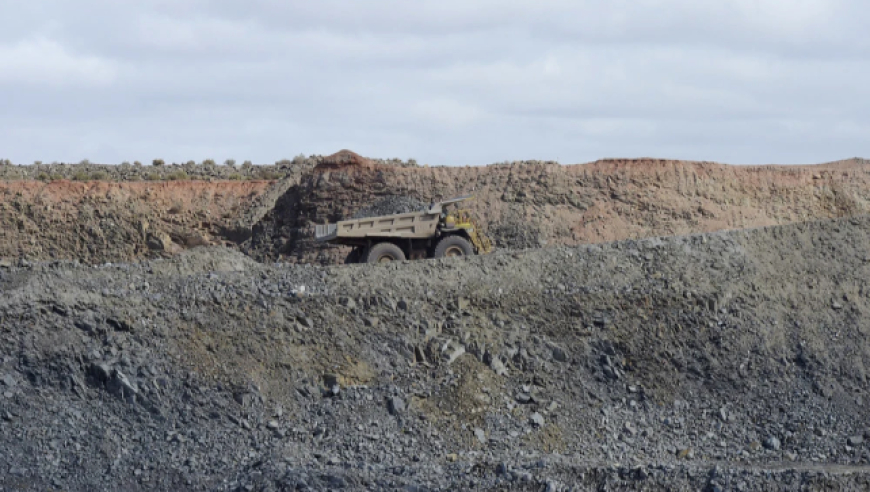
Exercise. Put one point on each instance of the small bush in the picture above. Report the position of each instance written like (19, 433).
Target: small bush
(247, 165)
(37, 163)
(235, 176)
(5, 162)
(100, 176)
(84, 162)
(158, 162)
(153, 177)
(178, 176)
(208, 162)
(284, 163)
(80, 176)
(56, 177)
(230, 163)
(126, 163)
(137, 163)
(270, 175)
(43, 177)
(190, 163)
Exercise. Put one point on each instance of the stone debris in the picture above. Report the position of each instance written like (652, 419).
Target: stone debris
(672, 363)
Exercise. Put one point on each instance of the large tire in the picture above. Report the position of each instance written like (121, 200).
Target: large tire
(453, 246)
(355, 256)
(385, 253)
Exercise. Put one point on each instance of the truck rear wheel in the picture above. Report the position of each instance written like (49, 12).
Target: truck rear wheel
(453, 246)
(385, 253)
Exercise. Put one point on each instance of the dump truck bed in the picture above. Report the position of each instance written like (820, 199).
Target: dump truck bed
(417, 225)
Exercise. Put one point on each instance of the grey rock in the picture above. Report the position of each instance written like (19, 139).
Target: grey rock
(348, 302)
(559, 354)
(395, 405)
(335, 481)
(480, 434)
(498, 367)
(553, 486)
(9, 380)
(855, 440)
(243, 398)
(121, 386)
(772, 443)
(102, 373)
(537, 419)
(454, 352)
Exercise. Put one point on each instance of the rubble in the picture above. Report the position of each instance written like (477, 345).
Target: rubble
(678, 363)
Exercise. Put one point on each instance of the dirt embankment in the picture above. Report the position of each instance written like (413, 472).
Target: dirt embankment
(533, 204)
(522, 205)
(100, 221)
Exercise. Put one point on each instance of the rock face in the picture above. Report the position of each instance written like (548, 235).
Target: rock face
(703, 362)
(522, 205)
(98, 222)
(532, 204)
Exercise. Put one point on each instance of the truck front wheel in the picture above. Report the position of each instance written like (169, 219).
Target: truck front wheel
(453, 246)
(385, 253)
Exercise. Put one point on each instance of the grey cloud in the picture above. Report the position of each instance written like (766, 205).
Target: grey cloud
(447, 82)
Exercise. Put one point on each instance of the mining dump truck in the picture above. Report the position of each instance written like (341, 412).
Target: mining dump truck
(431, 233)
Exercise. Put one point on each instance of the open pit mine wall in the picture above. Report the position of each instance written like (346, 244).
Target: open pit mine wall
(527, 205)
(521, 205)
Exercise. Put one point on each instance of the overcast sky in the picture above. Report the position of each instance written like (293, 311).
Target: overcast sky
(450, 82)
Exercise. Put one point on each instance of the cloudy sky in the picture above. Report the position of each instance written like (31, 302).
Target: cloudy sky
(450, 82)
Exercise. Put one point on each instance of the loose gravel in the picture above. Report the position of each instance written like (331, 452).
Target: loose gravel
(727, 361)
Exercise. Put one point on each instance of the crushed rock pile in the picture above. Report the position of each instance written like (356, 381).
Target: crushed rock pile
(726, 361)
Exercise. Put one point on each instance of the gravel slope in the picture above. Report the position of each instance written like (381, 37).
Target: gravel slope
(725, 361)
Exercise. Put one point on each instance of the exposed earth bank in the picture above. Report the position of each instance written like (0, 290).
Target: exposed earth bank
(533, 204)
(522, 205)
(725, 361)
(97, 222)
